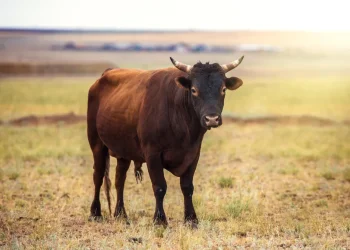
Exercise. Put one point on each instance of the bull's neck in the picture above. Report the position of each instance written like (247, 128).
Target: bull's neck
(186, 115)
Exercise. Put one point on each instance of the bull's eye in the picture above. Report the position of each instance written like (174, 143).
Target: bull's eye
(223, 90)
(194, 91)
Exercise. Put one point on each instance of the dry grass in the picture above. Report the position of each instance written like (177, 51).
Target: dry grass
(275, 193)
(278, 197)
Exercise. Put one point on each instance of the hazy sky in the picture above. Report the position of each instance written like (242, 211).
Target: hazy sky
(311, 15)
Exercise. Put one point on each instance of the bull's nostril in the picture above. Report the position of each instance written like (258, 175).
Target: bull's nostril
(212, 120)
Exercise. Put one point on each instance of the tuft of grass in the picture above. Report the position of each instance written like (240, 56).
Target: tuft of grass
(321, 203)
(2, 175)
(13, 176)
(225, 182)
(159, 231)
(328, 175)
(299, 229)
(20, 203)
(237, 207)
(290, 170)
(44, 171)
(346, 174)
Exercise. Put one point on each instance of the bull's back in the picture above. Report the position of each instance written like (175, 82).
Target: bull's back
(114, 105)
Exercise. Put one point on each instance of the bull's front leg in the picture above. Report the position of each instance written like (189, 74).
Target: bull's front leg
(187, 188)
(156, 173)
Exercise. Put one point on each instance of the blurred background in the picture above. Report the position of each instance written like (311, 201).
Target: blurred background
(276, 174)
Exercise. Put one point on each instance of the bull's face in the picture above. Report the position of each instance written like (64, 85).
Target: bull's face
(207, 85)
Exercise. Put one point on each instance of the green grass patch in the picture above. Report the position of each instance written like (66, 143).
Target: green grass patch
(346, 174)
(321, 203)
(43, 96)
(226, 182)
(237, 207)
(328, 175)
(323, 97)
(43, 141)
(13, 175)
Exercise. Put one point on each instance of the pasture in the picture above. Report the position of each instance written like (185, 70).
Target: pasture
(258, 185)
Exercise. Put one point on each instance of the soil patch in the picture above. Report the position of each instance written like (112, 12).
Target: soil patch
(64, 68)
(33, 120)
(71, 118)
(298, 120)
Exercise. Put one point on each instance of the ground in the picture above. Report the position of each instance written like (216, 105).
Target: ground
(269, 184)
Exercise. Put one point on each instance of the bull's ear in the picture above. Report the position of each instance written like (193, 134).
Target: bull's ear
(233, 83)
(183, 82)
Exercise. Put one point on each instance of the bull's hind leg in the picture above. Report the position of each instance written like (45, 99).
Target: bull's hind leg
(100, 154)
(101, 165)
(120, 176)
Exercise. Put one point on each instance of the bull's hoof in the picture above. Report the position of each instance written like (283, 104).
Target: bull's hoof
(120, 213)
(160, 222)
(122, 218)
(193, 224)
(94, 218)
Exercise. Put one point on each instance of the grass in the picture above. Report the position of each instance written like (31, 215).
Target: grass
(347, 174)
(237, 207)
(257, 186)
(328, 175)
(324, 97)
(48, 203)
(13, 176)
(225, 182)
(42, 96)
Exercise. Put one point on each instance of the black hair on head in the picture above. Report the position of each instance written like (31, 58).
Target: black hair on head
(206, 68)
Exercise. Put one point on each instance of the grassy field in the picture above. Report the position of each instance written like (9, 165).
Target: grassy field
(324, 97)
(257, 186)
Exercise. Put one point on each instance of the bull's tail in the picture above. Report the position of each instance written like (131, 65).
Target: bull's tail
(108, 184)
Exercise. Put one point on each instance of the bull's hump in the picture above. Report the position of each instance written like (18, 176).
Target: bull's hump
(119, 76)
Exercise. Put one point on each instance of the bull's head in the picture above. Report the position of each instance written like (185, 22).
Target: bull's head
(208, 84)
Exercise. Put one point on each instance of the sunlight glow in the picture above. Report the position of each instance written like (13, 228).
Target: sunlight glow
(308, 15)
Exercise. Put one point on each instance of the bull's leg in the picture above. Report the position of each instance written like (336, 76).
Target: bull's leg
(101, 161)
(120, 176)
(156, 173)
(186, 182)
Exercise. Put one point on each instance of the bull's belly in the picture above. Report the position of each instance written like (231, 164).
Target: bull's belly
(121, 140)
(124, 148)
(178, 160)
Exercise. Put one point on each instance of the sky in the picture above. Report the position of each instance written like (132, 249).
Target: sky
(220, 15)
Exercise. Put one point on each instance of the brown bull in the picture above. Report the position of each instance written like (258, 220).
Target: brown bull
(158, 117)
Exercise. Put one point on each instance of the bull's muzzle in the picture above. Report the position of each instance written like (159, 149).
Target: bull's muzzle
(212, 121)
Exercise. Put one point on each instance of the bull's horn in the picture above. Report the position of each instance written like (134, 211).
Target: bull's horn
(230, 66)
(181, 66)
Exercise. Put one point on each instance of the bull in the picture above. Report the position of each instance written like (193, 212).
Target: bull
(157, 117)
